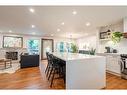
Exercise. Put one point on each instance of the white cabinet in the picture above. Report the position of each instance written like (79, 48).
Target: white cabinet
(113, 64)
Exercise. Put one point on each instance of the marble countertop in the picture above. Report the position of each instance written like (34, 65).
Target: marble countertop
(113, 54)
(74, 56)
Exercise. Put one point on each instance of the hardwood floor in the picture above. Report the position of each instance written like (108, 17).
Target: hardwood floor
(115, 82)
(29, 78)
(34, 78)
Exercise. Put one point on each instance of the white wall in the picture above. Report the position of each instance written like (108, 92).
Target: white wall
(19, 50)
(121, 47)
(125, 24)
(59, 39)
(87, 42)
(25, 38)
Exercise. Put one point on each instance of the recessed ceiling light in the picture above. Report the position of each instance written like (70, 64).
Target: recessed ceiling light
(70, 36)
(52, 35)
(58, 29)
(86, 34)
(62, 23)
(88, 24)
(74, 12)
(10, 31)
(31, 10)
(33, 33)
(33, 26)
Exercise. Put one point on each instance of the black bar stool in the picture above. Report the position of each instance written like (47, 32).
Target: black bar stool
(57, 67)
(49, 65)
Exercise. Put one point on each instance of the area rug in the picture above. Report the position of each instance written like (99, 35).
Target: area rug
(13, 69)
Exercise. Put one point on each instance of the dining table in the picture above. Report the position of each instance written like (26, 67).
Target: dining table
(84, 71)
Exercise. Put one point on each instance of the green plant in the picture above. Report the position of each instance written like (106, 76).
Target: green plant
(92, 51)
(116, 37)
(74, 48)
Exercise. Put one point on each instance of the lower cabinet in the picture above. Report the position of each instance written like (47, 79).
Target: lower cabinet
(113, 63)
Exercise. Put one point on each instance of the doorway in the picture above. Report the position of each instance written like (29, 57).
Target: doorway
(47, 45)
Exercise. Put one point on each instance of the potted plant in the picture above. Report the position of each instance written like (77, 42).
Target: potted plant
(74, 48)
(116, 37)
(92, 51)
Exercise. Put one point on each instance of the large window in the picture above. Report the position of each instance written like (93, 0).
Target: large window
(64, 47)
(33, 46)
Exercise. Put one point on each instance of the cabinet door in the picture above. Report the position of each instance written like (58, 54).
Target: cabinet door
(108, 62)
(113, 64)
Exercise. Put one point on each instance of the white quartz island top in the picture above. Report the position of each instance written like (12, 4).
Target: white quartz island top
(74, 56)
(84, 71)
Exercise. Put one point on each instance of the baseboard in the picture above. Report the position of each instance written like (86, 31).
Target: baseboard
(113, 73)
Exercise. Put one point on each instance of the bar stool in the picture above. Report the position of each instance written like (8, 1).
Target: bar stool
(57, 68)
(49, 64)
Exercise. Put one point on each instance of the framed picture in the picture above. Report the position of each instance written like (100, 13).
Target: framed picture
(12, 42)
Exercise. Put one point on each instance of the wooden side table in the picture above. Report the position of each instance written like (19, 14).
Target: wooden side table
(5, 62)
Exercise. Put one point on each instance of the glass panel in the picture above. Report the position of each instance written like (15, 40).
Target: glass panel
(64, 47)
(33, 46)
(47, 47)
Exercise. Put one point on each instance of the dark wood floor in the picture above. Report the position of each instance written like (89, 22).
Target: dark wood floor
(34, 78)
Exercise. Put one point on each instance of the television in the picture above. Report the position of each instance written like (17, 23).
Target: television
(12, 42)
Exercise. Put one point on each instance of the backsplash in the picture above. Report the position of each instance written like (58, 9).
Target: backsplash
(121, 47)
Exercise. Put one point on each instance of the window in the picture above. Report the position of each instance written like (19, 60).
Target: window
(33, 46)
(64, 47)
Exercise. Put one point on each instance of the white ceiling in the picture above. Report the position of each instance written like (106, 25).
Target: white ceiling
(48, 19)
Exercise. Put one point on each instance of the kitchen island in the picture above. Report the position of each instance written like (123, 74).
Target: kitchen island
(84, 71)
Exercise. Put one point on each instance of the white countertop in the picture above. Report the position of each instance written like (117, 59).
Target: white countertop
(113, 54)
(73, 56)
(84, 71)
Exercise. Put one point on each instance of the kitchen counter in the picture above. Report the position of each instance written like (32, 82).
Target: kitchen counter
(112, 54)
(84, 71)
(112, 62)
(74, 56)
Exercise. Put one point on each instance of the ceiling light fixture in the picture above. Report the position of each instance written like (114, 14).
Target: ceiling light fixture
(58, 29)
(87, 24)
(62, 23)
(33, 26)
(70, 36)
(52, 35)
(31, 10)
(86, 34)
(10, 31)
(33, 33)
(74, 12)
